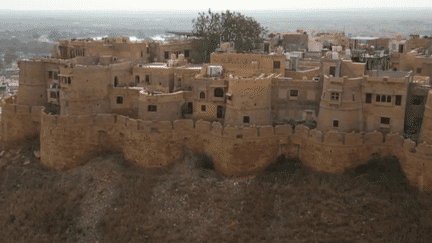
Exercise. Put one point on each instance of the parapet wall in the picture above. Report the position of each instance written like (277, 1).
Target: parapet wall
(236, 151)
(19, 122)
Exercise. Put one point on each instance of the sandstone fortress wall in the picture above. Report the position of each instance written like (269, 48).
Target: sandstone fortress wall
(93, 97)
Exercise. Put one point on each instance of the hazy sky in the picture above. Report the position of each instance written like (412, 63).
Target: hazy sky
(215, 5)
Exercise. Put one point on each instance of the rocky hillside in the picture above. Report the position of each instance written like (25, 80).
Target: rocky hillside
(110, 200)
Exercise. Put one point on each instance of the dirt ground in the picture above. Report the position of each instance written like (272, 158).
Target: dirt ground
(110, 200)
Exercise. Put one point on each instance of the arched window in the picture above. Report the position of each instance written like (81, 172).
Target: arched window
(202, 95)
(383, 98)
(115, 81)
(137, 79)
(388, 99)
(378, 98)
(218, 92)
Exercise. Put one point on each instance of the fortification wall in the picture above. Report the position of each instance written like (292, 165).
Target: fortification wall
(19, 122)
(236, 151)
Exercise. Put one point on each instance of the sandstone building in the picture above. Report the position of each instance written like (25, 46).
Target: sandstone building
(152, 100)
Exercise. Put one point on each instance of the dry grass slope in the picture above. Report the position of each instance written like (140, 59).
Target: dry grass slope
(110, 200)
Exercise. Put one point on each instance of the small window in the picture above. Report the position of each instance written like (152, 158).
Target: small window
(152, 108)
(334, 96)
(276, 64)
(419, 70)
(166, 55)
(398, 101)
(388, 98)
(190, 107)
(55, 75)
(368, 98)
(142, 53)
(147, 79)
(383, 98)
(115, 81)
(332, 71)
(50, 74)
(239, 136)
(53, 94)
(378, 98)
(294, 93)
(335, 123)
(385, 120)
(148, 49)
(246, 119)
(229, 97)
(186, 53)
(202, 95)
(69, 81)
(218, 92)
(137, 79)
(119, 100)
(203, 108)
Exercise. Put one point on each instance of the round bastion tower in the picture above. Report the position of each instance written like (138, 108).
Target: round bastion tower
(33, 82)
(341, 105)
(248, 101)
(426, 129)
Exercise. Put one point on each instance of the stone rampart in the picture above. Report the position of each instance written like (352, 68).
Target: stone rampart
(236, 151)
(19, 122)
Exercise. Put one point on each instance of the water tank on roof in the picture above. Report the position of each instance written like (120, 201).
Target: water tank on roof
(214, 71)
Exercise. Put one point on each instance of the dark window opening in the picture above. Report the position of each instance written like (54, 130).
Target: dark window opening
(378, 98)
(276, 64)
(334, 96)
(401, 48)
(203, 108)
(385, 120)
(335, 123)
(186, 53)
(230, 97)
(53, 95)
(332, 71)
(246, 119)
(142, 53)
(152, 108)
(218, 92)
(147, 79)
(266, 47)
(119, 100)
(294, 93)
(50, 74)
(398, 101)
(166, 55)
(219, 112)
(368, 98)
(239, 136)
(148, 49)
(69, 81)
(383, 98)
(55, 75)
(419, 70)
(202, 95)
(137, 79)
(388, 99)
(115, 81)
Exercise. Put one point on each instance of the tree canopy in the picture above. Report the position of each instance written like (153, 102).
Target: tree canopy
(213, 28)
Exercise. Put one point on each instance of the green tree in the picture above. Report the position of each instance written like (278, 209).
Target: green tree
(214, 28)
